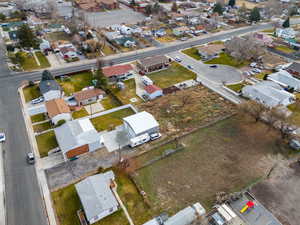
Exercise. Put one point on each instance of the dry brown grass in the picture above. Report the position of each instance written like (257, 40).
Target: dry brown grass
(185, 110)
(227, 156)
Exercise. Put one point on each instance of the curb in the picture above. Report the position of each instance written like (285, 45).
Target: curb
(41, 176)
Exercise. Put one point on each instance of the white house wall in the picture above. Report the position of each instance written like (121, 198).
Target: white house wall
(54, 94)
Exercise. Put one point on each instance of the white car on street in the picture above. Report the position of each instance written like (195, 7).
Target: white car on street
(2, 137)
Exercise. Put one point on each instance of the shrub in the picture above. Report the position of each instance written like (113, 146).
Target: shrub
(60, 122)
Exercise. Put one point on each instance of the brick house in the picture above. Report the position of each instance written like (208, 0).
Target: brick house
(88, 96)
(151, 64)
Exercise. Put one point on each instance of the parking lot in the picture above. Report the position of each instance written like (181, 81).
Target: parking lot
(108, 18)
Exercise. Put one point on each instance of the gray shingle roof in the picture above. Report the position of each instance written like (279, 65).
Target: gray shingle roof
(75, 133)
(95, 194)
(48, 85)
(294, 67)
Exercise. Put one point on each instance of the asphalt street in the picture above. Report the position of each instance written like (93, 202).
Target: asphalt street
(24, 205)
(134, 55)
(218, 75)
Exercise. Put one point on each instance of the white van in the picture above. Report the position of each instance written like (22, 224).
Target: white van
(147, 81)
(139, 140)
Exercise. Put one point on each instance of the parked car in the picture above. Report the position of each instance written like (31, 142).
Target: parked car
(190, 67)
(155, 136)
(2, 137)
(213, 66)
(257, 70)
(30, 158)
(253, 64)
(294, 144)
(178, 59)
(37, 100)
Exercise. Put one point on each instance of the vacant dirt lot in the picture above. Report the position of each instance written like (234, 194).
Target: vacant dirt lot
(187, 109)
(228, 156)
(280, 193)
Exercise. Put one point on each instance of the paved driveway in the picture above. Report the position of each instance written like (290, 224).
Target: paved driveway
(217, 75)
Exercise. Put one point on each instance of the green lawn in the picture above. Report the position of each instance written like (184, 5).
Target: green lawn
(43, 60)
(236, 87)
(174, 74)
(38, 118)
(108, 102)
(284, 49)
(111, 120)
(132, 199)
(28, 62)
(226, 59)
(66, 203)
(31, 92)
(107, 50)
(129, 92)
(192, 52)
(46, 142)
(80, 113)
(261, 75)
(42, 126)
(76, 82)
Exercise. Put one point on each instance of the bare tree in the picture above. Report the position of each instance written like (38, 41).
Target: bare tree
(253, 108)
(273, 8)
(246, 48)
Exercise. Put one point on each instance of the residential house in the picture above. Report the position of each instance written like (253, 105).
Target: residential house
(179, 31)
(13, 35)
(54, 27)
(32, 20)
(57, 110)
(139, 124)
(263, 39)
(152, 91)
(67, 51)
(45, 45)
(127, 42)
(97, 197)
(294, 69)
(113, 35)
(285, 79)
(88, 96)
(268, 93)
(76, 137)
(208, 52)
(49, 88)
(118, 72)
(159, 33)
(97, 5)
(154, 63)
(285, 33)
(184, 217)
(7, 9)
(12, 25)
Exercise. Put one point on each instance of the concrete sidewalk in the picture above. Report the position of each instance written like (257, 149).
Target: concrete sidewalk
(2, 188)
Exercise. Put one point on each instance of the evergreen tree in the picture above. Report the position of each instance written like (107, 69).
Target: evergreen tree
(2, 17)
(231, 3)
(27, 37)
(46, 75)
(133, 3)
(254, 15)
(286, 23)
(218, 8)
